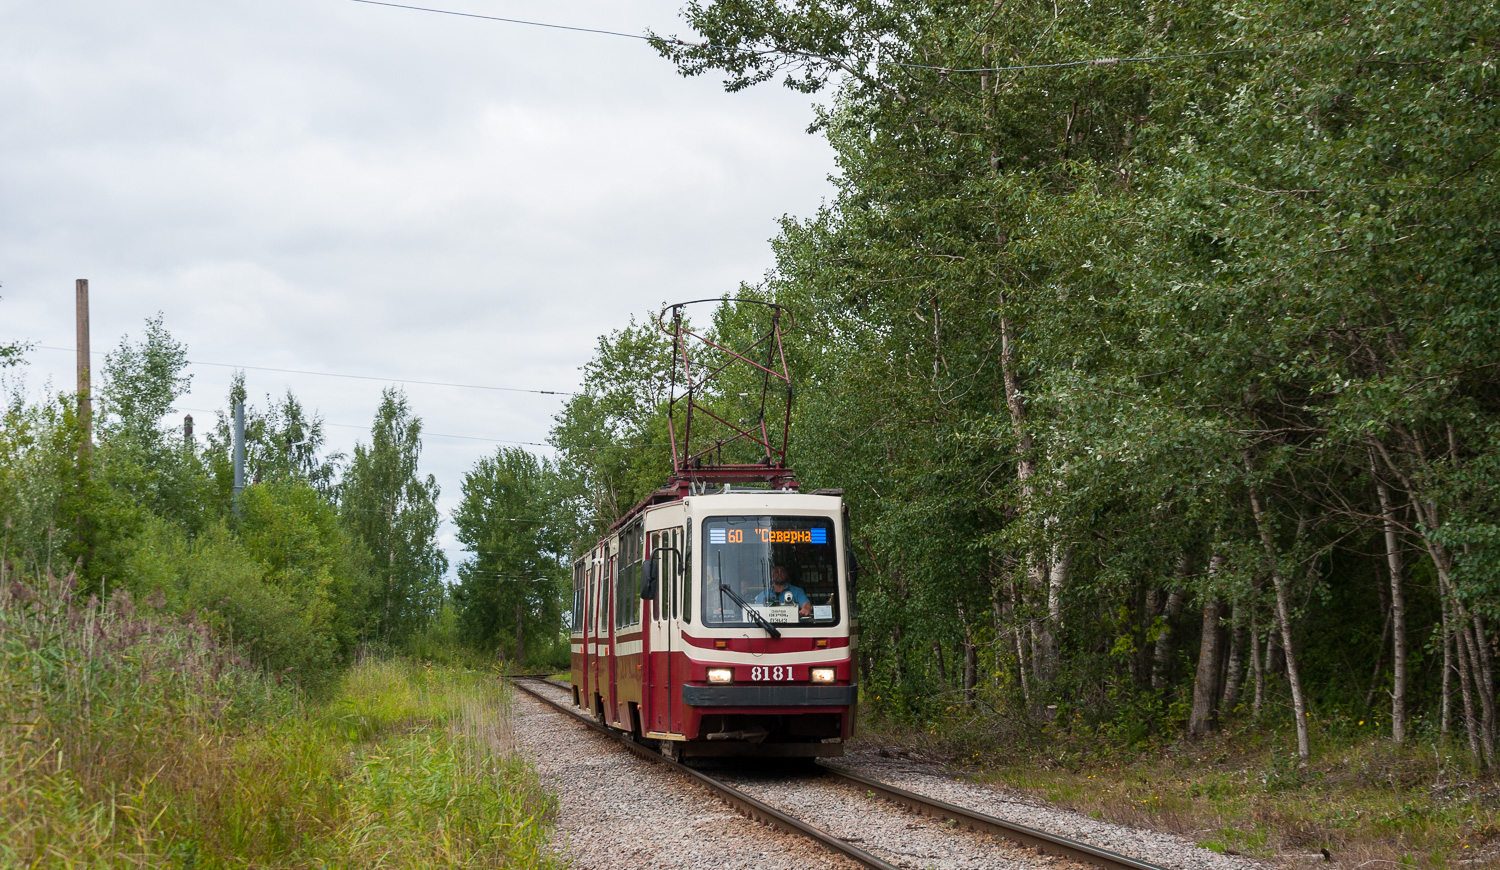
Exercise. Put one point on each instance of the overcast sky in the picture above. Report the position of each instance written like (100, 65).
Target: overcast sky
(331, 186)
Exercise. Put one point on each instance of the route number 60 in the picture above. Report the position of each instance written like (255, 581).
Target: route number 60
(768, 672)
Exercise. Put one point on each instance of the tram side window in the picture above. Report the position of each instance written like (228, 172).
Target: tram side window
(576, 622)
(606, 582)
(655, 540)
(687, 571)
(589, 587)
(622, 579)
(628, 583)
(666, 579)
(670, 579)
(635, 608)
(601, 584)
(666, 583)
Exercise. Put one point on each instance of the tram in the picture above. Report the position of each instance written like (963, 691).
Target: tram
(717, 617)
(720, 624)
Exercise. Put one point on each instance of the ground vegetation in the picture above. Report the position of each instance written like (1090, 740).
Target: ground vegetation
(132, 736)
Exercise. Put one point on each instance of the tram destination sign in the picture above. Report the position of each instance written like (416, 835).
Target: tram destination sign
(768, 536)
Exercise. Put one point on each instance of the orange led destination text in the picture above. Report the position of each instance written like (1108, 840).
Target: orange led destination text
(784, 536)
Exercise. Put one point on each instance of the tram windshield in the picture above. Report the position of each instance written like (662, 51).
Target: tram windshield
(785, 569)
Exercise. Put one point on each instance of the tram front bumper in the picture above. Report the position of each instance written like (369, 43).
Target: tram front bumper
(769, 696)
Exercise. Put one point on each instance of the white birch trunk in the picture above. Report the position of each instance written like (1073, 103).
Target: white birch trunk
(1258, 667)
(1284, 623)
(1398, 609)
(1044, 643)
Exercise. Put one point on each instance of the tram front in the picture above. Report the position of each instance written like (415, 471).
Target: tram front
(769, 638)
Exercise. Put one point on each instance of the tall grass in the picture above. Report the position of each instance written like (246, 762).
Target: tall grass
(130, 737)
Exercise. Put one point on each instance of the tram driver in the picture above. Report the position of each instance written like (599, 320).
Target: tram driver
(781, 592)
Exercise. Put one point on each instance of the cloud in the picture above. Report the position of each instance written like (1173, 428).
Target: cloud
(331, 186)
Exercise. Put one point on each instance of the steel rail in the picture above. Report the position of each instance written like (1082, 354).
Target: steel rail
(742, 802)
(1029, 837)
(1042, 841)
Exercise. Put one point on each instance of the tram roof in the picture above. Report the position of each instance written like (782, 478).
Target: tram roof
(680, 489)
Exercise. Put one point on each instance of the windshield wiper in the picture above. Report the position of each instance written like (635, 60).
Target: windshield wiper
(760, 620)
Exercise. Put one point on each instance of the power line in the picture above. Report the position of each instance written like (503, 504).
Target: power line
(1098, 61)
(442, 435)
(424, 433)
(513, 21)
(459, 437)
(385, 380)
(348, 376)
(395, 381)
(662, 40)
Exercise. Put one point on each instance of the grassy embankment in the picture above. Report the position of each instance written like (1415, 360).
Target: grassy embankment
(130, 738)
(1365, 800)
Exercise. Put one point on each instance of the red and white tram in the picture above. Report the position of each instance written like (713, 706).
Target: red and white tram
(721, 623)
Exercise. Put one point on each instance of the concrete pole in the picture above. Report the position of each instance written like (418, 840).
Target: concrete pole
(85, 406)
(239, 454)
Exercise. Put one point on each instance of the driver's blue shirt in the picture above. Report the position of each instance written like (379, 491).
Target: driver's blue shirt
(771, 596)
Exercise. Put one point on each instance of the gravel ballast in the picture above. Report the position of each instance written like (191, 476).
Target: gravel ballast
(929, 780)
(880, 827)
(617, 810)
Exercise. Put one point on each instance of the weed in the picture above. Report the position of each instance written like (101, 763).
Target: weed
(131, 738)
(1364, 799)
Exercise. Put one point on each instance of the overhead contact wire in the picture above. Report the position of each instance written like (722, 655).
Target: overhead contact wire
(672, 40)
(198, 362)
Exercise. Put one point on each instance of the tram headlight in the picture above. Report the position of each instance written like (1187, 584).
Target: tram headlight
(720, 675)
(822, 675)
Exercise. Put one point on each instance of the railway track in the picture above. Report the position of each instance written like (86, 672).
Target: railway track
(747, 805)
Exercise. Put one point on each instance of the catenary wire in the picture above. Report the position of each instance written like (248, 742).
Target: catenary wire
(445, 435)
(386, 380)
(665, 40)
(512, 20)
(197, 362)
(1098, 61)
(367, 428)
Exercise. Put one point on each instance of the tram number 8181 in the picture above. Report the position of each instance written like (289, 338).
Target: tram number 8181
(769, 672)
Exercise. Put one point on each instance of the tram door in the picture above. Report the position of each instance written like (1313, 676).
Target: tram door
(661, 635)
(672, 582)
(591, 629)
(601, 621)
(586, 623)
(611, 711)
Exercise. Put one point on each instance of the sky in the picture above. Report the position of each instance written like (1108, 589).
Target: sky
(332, 186)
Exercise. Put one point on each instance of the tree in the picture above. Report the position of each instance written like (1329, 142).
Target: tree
(141, 381)
(611, 437)
(393, 511)
(510, 591)
(13, 354)
(285, 441)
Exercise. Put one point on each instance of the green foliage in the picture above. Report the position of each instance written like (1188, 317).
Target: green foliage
(129, 737)
(288, 581)
(611, 438)
(12, 354)
(1060, 324)
(392, 511)
(510, 593)
(141, 381)
(307, 553)
(285, 441)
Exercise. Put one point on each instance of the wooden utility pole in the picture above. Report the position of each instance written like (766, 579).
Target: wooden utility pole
(85, 407)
